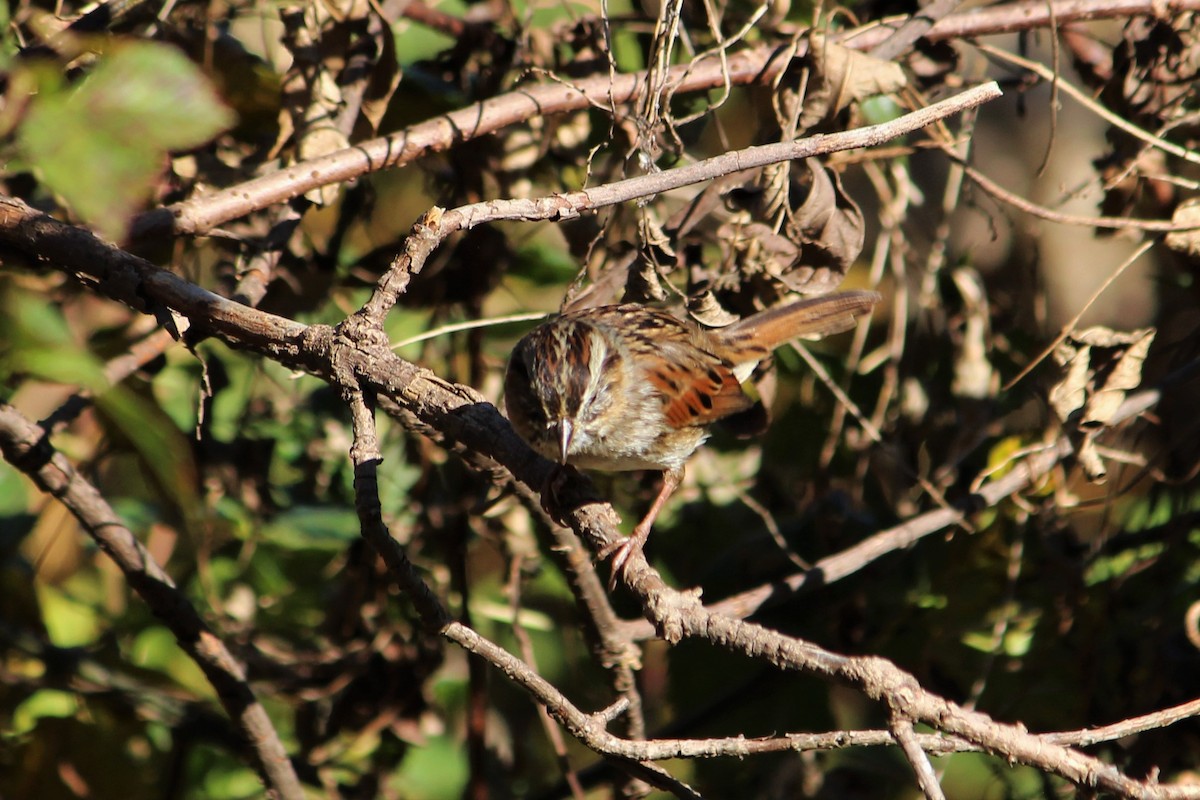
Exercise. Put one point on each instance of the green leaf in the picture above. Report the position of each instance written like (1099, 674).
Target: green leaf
(432, 772)
(176, 388)
(983, 641)
(61, 364)
(155, 648)
(163, 449)
(35, 340)
(541, 262)
(15, 490)
(43, 703)
(8, 45)
(100, 145)
(1111, 567)
(233, 781)
(313, 528)
(31, 318)
(69, 622)
(1017, 642)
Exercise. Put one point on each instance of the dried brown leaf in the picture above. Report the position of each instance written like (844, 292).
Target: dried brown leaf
(830, 229)
(1101, 365)
(383, 79)
(1155, 68)
(705, 309)
(1187, 213)
(843, 76)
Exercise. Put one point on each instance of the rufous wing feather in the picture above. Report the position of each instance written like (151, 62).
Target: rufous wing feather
(699, 393)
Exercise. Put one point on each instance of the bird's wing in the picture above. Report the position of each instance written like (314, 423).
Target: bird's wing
(697, 388)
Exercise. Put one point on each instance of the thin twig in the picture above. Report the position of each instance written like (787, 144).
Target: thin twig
(572, 204)
(1012, 573)
(1033, 209)
(838, 392)
(549, 726)
(902, 728)
(1116, 120)
(366, 455)
(1021, 16)
(438, 224)
(1127, 727)
(913, 28)
(470, 324)
(203, 214)
(867, 425)
(1070, 325)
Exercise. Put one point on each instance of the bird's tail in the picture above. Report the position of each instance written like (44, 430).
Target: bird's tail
(759, 334)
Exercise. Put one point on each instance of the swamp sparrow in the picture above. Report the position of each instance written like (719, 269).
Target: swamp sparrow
(626, 387)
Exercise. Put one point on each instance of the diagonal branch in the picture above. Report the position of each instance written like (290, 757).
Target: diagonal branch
(26, 446)
(439, 224)
(906, 737)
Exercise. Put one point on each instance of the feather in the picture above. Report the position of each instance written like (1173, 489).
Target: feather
(756, 336)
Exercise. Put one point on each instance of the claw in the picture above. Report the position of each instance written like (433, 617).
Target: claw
(621, 551)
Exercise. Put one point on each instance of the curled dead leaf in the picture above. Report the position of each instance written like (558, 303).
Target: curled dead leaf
(705, 309)
(644, 283)
(844, 76)
(756, 248)
(1188, 241)
(821, 238)
(1101, 365)
(830, 229)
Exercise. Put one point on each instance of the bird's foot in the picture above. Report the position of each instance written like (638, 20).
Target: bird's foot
(622, 550)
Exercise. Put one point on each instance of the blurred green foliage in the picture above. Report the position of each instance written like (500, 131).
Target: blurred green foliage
(100, 145)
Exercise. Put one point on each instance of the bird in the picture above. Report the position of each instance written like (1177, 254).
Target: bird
(633, 387)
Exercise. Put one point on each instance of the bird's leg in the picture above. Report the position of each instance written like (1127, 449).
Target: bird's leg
(622, 549)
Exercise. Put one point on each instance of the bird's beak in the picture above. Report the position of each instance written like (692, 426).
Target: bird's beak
(566, 429)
